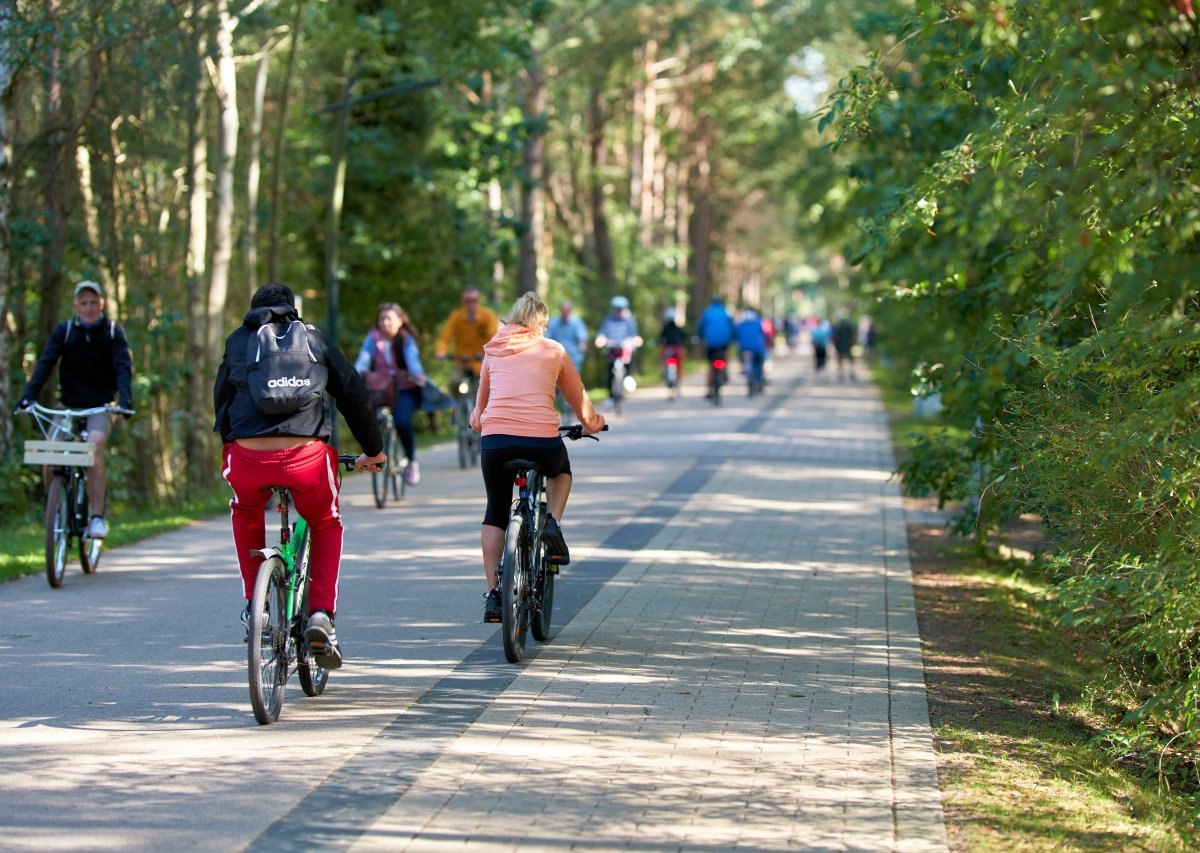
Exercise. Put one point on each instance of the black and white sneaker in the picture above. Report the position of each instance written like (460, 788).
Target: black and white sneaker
(556, 547)
(491, 605)
(322, 640)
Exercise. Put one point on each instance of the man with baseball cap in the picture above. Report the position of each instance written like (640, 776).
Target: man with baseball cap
(96, 369)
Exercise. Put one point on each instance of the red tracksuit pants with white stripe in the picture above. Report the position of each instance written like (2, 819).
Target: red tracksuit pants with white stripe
(310, 471)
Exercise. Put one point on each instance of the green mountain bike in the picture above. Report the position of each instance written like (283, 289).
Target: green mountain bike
(279, 616)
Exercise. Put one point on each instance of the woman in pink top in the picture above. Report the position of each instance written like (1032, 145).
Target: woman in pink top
(515, 413)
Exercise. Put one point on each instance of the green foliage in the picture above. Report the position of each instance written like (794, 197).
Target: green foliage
(1019, 173)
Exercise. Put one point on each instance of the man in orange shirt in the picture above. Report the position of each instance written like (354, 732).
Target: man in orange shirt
(467, 329)
(515, 412)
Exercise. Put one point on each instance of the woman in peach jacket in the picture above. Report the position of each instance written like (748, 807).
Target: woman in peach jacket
(515, 413)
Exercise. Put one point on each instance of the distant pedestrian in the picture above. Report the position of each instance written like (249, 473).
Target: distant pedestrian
(866, 338)
(844, 334)
(569, 330)
(820, 335)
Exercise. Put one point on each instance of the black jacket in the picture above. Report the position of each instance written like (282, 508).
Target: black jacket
(238, 417)
(96, 365)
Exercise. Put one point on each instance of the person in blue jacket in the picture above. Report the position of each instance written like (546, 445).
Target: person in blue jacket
(715, 329)
(752, 344)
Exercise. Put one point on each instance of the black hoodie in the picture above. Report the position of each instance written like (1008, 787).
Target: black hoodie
(238, 417)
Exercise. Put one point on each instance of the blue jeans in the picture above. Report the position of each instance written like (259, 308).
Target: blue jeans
(408, 401)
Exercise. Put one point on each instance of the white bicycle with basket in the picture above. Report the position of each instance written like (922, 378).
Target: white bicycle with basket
(67, 455)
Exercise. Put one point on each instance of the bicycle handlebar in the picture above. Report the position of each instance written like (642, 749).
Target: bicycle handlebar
(38, 408)
(575, 432)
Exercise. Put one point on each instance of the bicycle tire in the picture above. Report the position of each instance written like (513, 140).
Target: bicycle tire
(58, 531)
(543, 605)
(514, 610)
(267, 661)
(313, 678)
(89, 549)
(381, 478)
(616, 390)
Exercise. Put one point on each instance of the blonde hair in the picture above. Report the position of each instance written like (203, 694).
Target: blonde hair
(529, 311)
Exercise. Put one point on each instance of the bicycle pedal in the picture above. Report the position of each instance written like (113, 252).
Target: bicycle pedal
(553, 567)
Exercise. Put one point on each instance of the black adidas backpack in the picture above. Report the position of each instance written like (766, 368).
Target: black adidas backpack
(282, 372)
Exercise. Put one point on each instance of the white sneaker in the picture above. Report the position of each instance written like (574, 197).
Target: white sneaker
(412, 474)
(97, 529)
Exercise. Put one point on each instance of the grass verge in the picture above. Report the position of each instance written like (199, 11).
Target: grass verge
(24, 542)
(1012, 699)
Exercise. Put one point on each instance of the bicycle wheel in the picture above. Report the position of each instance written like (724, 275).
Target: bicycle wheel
(58, 530)
(617, 390)
(267, 651)
(89, 549)
(381, 478)
(313, 678)
(514, 614)
(543, 600)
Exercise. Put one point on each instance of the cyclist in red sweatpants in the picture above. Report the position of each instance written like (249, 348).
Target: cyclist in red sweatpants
(311, 472)
(289, 447)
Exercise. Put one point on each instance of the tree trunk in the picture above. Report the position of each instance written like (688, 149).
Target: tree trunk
(55, 182)
(198, 441)
(280, 137)
(91, 223)
(598, 155)
(223, 199)
(701, 221)
(8, 85)
(531, 278)
(253, 173)
(648, 121)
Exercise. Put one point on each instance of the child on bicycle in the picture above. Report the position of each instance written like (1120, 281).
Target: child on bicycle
(290, 449)
(515, 413)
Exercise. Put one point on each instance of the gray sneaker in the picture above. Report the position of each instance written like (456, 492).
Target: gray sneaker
(322, 640)
(97, 528)
(245, 620)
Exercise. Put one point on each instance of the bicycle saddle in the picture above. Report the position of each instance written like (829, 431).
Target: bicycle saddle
(515, 465)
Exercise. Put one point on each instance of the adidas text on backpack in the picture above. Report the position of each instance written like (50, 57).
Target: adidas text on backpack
(283, 374)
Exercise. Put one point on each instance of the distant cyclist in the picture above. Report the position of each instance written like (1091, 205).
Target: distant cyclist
(390, 360)
(466, 330)
(715, 329)
(515, 413)
(618, 333)
(752, 346)
(290, 448)
(96, 368)
(672, 340)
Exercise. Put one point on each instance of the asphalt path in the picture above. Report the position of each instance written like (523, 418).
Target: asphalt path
(125, 720)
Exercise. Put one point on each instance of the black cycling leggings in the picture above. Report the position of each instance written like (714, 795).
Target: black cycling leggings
(549, 453)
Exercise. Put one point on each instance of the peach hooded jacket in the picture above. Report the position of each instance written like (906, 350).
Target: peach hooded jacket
(521, 369)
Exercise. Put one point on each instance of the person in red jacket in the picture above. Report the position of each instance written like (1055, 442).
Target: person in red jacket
(515, 412)
(291, 450)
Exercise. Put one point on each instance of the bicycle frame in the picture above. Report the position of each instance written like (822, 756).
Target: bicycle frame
(277, 647)
(285, 550)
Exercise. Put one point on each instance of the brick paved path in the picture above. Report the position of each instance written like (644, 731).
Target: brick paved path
(735, 665)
